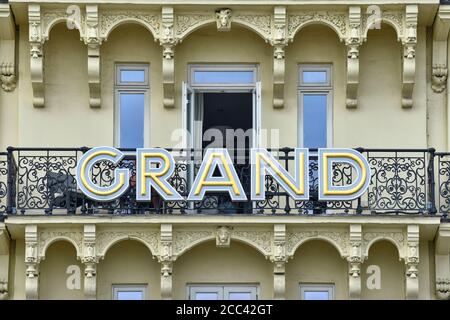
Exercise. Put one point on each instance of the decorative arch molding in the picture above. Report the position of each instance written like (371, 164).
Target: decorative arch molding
(396, 238)
(51, 18)
(109, 20)
(260, 240)
(187, 23)
(106, 239)
(47, 237)
(395, 19)
(338, 239)
(337, 21)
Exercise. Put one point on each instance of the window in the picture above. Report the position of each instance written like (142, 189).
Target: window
(222, 292)
(129, 292)
(131, 116)
(316, 291)
(315, 101)
(222, 76)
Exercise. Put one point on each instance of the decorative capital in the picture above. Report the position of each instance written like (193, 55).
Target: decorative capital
(223, 236)
(165, 245)
(3, 289)
(223, 19)
(443, 288)
(7, 76)
(439, 78)
(279, 256)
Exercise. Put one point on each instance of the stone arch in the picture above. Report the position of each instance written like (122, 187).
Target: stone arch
(337, 246)
(187, 30)
(389, 239)
(333, 26)
(47, 28)
(46, 244)
(387, 21)
(151, 23)
(242, 237)
(339, 240)
(103, 249)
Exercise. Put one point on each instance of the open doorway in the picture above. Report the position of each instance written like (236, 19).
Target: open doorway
(221, 109)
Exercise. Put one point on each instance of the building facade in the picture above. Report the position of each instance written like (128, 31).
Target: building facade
(181, 74)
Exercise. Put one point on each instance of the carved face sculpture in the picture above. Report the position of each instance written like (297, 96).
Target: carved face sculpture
(223, 235)
(223, 19)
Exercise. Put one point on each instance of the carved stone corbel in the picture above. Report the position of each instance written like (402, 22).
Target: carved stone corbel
(168, 41)
(90, 261)
(7, 76)
(409, 42)
(37, 54)
(31, 262)
(355, 260)
(279, 259)
(4, 294)
(93, 42)
(223, 19)
(7, 48)
(441, 28)
(166, 259)
(442, 262)
(412, 262)
(279, 42)
(223, 237)
(353, 41)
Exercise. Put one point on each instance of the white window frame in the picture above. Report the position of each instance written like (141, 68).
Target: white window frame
(311, 287)
(325, 88)
(116, 288)
(220, 87)
(222, 290)
(132, 87)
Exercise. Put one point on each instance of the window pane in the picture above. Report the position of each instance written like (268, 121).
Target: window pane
(240, 296)
(132, 120)
(228, 77)
(206, 296)
(132, 75)
(314, 76)
(130, 295)
(316, 295)
(314, 120)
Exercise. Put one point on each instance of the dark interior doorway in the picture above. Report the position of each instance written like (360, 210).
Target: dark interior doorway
(224, 111)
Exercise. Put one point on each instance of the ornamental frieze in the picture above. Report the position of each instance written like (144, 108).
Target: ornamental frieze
(337, 20)
(340, 239)
(108, 20)
(48, 236)
(105, 239)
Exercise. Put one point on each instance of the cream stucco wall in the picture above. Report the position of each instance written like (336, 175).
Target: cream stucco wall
(53, 274)
(128, 262)
(316, 262)
(238, 264)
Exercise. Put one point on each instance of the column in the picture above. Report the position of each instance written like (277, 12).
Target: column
(31, 262)
(90, 261)
(166, 260)
(354, 262)
(279, 260)
(412, 262)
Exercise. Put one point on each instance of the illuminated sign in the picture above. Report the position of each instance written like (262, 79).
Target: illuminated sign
(155, 166)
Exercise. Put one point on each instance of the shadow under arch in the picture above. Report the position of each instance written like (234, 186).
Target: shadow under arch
(62, 20)
(104, 251)
(383, 21)
(309, 23)
(129, 20)
(54, 240)
(388, 239)
(211, 238)
(342, 251)
(210, 22)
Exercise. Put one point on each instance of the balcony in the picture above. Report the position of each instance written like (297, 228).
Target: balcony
(37, 181)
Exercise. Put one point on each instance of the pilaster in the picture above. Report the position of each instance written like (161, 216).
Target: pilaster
(31, 262)
(166, 259)
(353, 41)
(90, 261)
(355, 261)
(279, 42)
(409, 42)
(412, 262)
(93, 42)
(36, 54)
(168, 42)
(279, 259)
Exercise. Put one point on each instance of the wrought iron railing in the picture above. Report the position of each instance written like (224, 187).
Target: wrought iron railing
(42, 180)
